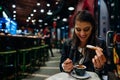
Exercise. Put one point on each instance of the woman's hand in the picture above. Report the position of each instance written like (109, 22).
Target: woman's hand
(99, 59)
(68, 65)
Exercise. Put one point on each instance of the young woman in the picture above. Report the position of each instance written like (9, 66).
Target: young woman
(74, 50)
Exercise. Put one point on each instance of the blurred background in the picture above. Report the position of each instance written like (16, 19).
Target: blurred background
(23, 23)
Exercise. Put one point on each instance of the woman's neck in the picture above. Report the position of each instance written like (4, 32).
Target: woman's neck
(83, 44)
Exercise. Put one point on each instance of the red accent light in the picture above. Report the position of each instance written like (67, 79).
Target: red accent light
(54, 24)
(118, 37)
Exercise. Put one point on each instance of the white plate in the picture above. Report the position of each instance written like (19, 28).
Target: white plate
(73, 74)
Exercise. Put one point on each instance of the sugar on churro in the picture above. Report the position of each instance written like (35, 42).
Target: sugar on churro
(93, 47)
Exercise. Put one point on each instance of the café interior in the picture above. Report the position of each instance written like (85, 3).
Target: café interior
(23, 52)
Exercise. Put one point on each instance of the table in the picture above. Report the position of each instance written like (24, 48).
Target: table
(67, 76)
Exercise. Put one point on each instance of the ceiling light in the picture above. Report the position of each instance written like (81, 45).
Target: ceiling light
(14, 11)
(33, 21)
(14, 18)
(14, 15)
(70, 8)
(29, 18)
(45, 24)
(112, 16)
(56, 3)
(31, 14)
(38, 4)
(34, 10)
(42, 10)
(48, 5)
(64, 19)
(40, 20)
(112, 4)
(58, 17)
(62, 28)
(13, 6)
(49, 12)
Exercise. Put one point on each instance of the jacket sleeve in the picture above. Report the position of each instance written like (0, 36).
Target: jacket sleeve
(104, 69)
(65, 53)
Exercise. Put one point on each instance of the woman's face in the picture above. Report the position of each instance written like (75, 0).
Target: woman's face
(83, 30)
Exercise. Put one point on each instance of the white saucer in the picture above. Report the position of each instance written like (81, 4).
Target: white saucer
(73, 74)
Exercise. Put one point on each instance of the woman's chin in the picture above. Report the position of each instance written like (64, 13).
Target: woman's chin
(83, 40)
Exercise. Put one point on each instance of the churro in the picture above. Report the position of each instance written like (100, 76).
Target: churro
(93, 47)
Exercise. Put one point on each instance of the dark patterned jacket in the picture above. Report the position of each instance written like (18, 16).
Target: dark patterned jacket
(69, 51)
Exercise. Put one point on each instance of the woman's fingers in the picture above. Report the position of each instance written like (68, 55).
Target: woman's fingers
(100, 55)
(68, 65)
(68, 68)
(99, 59)
(96, 62)
(67, 61)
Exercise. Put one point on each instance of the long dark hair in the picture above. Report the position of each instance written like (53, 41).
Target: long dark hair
(85, 16)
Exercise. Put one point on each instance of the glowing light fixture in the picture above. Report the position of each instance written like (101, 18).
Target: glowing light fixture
(14, 11)
(71, 8)
(42, 10)
(29, 18)
(64, 20)
(31, 14)
(40, 20)
(48, 5)
(38, 4)
(49, 12)
(34, 10)
(45, 24)
(13, 6)
(14, 15)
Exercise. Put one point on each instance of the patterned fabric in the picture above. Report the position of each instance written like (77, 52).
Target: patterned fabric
(69, 51)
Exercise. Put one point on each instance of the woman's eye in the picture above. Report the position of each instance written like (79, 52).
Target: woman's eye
(78, 29)
(86, 29)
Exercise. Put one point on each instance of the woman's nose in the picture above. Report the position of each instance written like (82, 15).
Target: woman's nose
(82, 33)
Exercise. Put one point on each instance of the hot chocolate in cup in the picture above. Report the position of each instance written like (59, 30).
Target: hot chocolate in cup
(80, 69)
